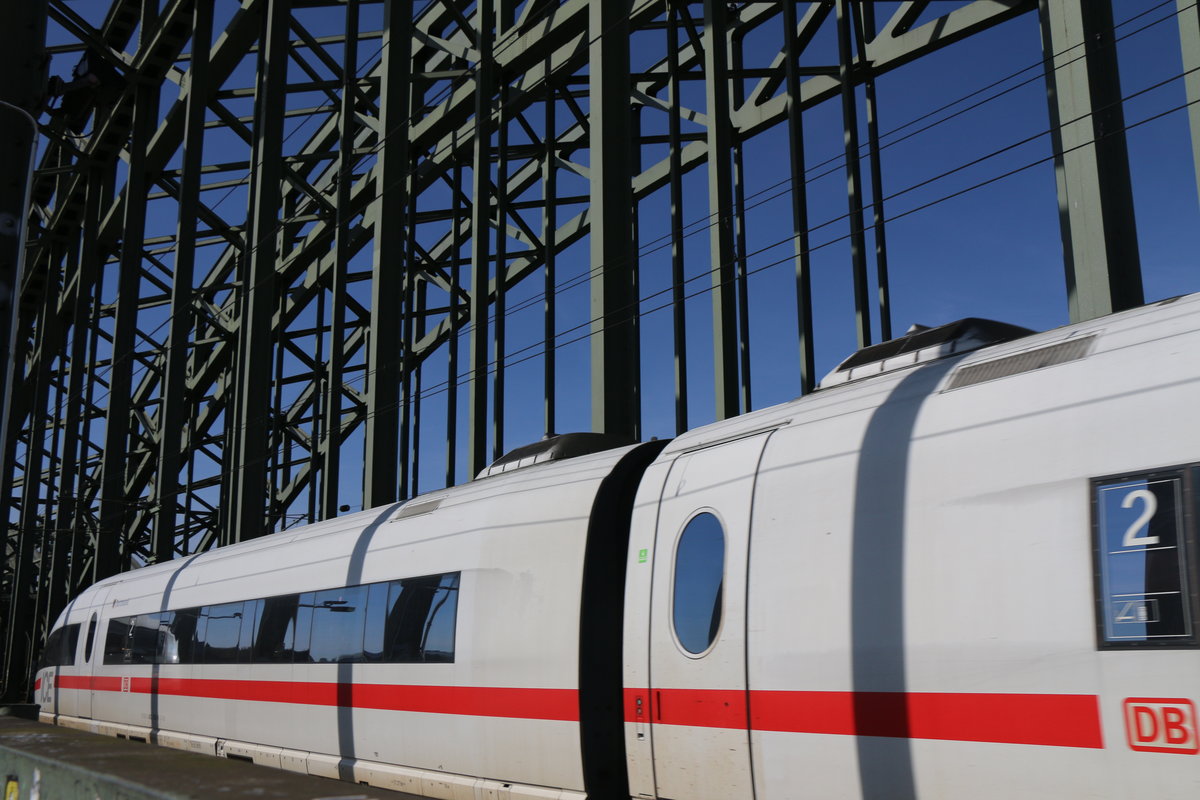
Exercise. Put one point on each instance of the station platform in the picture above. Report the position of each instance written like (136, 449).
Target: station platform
(47, 762)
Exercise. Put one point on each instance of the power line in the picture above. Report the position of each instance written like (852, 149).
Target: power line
(441, 387)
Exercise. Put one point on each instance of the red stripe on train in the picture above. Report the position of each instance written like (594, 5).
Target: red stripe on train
(479, 701)
(1062, 720)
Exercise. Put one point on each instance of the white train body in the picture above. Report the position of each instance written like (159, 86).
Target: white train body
(951, 573)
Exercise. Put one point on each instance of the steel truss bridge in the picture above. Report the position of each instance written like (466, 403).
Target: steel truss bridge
(281, 252)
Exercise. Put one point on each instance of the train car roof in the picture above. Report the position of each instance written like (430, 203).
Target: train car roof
(589, 467)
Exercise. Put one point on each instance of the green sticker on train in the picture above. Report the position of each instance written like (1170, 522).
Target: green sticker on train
(642, 556)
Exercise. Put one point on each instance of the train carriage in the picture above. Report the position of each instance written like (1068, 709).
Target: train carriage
(965, 567)
(420, 647)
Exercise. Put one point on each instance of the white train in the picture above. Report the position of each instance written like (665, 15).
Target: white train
(960, 569)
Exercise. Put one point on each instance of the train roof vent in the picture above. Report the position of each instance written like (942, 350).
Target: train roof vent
(922, 344)
(553, 448)
(1028, 361)
(417, 508)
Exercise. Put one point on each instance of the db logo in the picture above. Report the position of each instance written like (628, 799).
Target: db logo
(1161, 725)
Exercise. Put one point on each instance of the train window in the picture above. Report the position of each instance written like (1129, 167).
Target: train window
(304, 613)
(134, 640)
(699, 575)
(143, 639)
(421, 619)
(377, 608)
(338, 617)
(437, 641)
(116, 643)
(60, 647)
(70, 642)
(1145, 551)
(200, 636)
(276, 630)
(179, 639)
(91, 638)
(222, 633)
(251, 616)
(52, 651)
(166, 650)
(406, 621)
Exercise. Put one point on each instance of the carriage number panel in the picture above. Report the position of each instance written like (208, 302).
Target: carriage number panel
(1145, 546)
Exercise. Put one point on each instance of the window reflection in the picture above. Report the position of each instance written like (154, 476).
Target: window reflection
(337, 625)
(60, 647)
(222, 633)
(699, 573)
(420, 620)
(401, 621)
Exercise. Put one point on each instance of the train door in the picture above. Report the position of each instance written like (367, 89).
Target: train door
(698, 707)
(91, 655)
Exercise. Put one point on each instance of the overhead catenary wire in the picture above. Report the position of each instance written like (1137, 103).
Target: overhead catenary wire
(704, 223)
(440, 388)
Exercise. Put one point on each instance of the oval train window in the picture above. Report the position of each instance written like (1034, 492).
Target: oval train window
(699, 571)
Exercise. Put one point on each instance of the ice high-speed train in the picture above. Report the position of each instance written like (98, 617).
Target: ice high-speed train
(966, 567)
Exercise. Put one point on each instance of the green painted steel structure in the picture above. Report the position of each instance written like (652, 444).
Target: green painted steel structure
(405, 176)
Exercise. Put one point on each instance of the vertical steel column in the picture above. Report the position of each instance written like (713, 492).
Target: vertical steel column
(500, 305)
(1095, 197)
(1188, 12)
(61, 588)
(504, 21)
(616, 401)
(739, 236)
(388, 268)
(720, 207)
(175, 397)
(675, 171)
(866, 32)
(331, 462)
(21, 628)
(51, 553)
(280, 463)
(456, 210)
(858, 245)
(315, 504)
(795, 127)
(115, 505)
(419, 310)
(84, 530)
(549, 229)
(481, 239)
(247, 479)
(407, 362)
